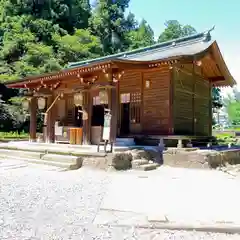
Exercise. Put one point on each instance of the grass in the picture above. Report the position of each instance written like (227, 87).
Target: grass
(233, 129)
(224, 135)
(13, 135)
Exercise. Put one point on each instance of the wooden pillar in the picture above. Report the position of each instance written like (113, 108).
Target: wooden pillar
(113, 106)
(49, 121)
(171, 101)
(210, 109)
(87, 117)
(194, 120)
(33, 119)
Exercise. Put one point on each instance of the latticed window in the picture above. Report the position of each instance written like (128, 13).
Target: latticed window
(125, 98)
(135, 107)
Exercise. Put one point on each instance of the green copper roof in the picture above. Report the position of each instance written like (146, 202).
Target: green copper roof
(185, 46)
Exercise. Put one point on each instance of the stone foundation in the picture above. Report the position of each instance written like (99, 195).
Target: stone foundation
(184, 158)
(201, 159)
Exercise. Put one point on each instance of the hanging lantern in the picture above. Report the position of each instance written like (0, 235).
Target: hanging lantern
(78, 99)
(25, 104)
(103, 96)
(41, 102)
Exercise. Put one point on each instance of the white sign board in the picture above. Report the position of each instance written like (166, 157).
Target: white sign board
(106, 133)
(106, 127)
(58, 129)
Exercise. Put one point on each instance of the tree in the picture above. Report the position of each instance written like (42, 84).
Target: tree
(175, 30)
(217, 101)
(33, 42)
(141, 36)
(68, 14)
(232, 104)
(108, 22)
(82, 45)
(233, 109)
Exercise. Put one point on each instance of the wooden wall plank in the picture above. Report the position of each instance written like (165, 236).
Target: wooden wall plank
(191, 103)
(156, 98)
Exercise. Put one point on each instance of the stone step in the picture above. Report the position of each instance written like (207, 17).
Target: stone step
(22, 154)
(63, 159)
(66, 166)
(51, 150)
(62, 165)
(56, 160)
(36, 155)
(148, 167)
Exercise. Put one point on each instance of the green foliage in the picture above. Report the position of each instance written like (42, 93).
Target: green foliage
(233, 109)
(108, 22)
(217, 101)
(68, 14)
(13, 135)
(79, 46)
(142, 36)
(36, 38)
(175, 30)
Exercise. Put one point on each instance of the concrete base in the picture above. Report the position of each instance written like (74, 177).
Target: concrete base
(199, 159)
(129, 219)
(154, 200)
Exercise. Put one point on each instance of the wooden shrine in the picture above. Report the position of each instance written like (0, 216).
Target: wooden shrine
(164, 89)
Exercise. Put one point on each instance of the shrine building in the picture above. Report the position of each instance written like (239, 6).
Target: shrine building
(160, 90)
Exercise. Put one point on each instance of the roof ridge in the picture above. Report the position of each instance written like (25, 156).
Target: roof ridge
(196, 36)
(180, 44)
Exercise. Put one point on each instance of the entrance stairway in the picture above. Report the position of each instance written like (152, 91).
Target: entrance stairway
(57, 155)
(71, 157)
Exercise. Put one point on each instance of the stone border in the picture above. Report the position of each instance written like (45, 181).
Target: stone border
(116, 218)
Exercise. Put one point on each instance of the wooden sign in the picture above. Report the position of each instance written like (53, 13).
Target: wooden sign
(106, 127)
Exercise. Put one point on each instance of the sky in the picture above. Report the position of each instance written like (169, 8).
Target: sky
(202, 15)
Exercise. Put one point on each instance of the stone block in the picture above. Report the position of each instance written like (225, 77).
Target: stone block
(148, 167)
(121, 161)
(139, 162)
(63, 158)
(147, 154)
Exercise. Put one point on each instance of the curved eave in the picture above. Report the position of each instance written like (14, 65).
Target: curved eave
(228, 78)
(71, 71)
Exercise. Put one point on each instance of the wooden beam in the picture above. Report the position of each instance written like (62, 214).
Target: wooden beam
(215, 79)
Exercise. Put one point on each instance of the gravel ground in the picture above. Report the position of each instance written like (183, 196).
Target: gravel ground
(37, 203)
